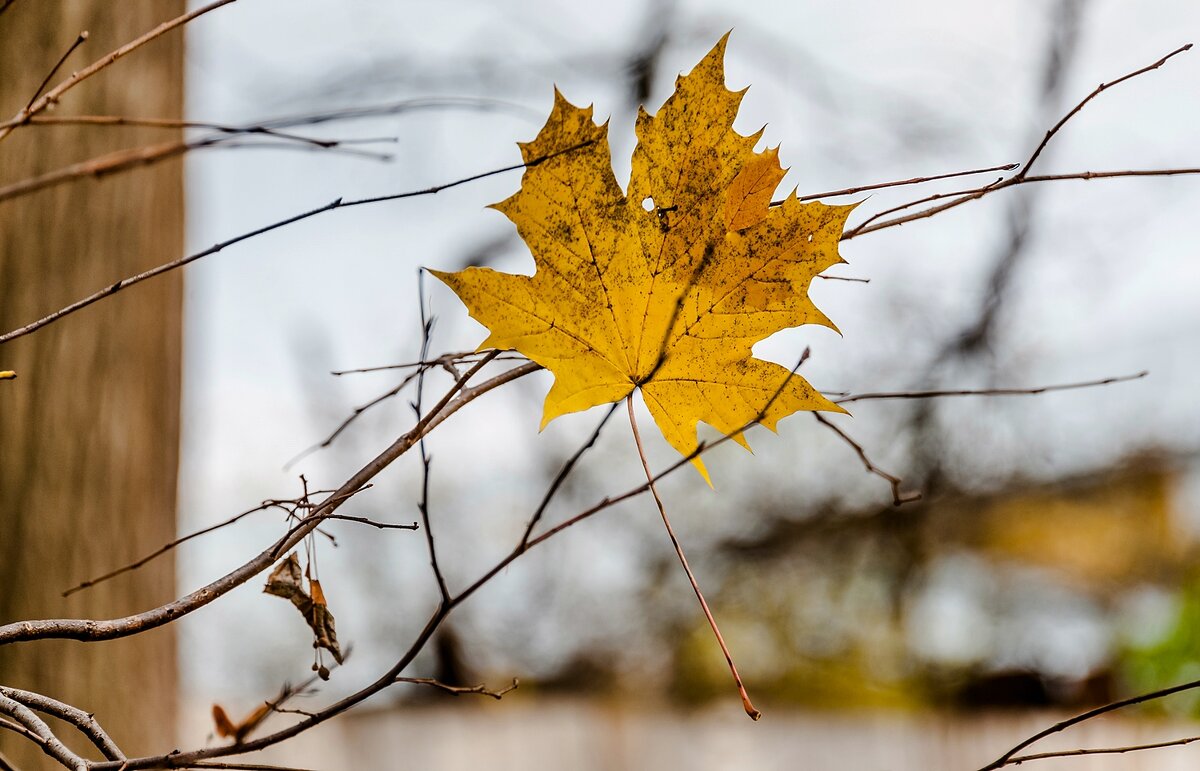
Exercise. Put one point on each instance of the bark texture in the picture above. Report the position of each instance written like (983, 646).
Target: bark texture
(89, 431)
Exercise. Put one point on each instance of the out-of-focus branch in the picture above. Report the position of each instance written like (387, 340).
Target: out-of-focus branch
(135, 157)
(338, 203)
(899, 496)
(223, 128)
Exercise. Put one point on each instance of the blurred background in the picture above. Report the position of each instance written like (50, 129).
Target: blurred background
(1050, 564)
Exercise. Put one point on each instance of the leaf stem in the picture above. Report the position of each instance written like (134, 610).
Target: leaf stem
(712, 622)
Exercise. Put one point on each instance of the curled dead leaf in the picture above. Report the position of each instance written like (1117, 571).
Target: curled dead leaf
(287, 581)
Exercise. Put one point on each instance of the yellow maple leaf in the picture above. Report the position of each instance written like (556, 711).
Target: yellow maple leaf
(668, 287)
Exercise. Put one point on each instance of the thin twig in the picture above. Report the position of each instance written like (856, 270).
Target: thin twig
(171, 123)
(441, 361)
(1099, 90)
(881, 395)
(89, 630)
(374, 523)
(269, 504)
(338, 203)
(1101, 750)
(927, 199)
(1023, 176)
(899, 497)
(563, 473)
(423, 505)
(55, 94)
(978, 193)
(844, 278)
(355, 415)
(1009, 757)
(443, 611)
(900, 182)
(238, 766)
(80, 39)
(147, 155)
(712, 622)
(460, 690)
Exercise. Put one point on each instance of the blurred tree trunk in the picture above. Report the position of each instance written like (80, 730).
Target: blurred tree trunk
(89, 431)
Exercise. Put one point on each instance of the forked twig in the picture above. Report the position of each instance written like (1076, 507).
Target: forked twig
(899, 497)
(80, 39)
(900, 183)
(1023, 176)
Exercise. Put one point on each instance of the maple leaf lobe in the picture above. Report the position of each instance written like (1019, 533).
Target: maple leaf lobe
(672, 299)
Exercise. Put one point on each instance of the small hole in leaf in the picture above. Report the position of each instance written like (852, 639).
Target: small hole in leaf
(810, 235)
(648, 204)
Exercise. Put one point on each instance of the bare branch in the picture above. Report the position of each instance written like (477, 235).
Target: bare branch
(85, 722)
(89, 630)
(1023, 176)
(927, 199)
(1102, 750)
(49, 743)
(169, 123)
(1009, 757)
(55, 94)
(899, 497)
(335, 204)
(289, 506)
(1099, 90)
(80, 39)
(238, 766)
(374, 523)
(423, 504)
(443, 610)
(900, 182)
(147, 155)
(881, 395)
(460, 690)
(563, 473)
